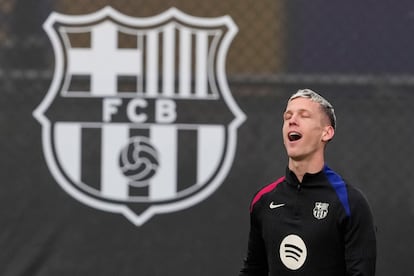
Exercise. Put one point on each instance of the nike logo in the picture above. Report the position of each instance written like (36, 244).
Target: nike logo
(274, 206)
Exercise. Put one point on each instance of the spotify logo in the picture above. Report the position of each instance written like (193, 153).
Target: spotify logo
(293, 252)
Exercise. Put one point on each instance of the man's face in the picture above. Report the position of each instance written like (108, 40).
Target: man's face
(306, 129)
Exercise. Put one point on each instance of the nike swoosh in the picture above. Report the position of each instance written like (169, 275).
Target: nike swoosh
(273, 205)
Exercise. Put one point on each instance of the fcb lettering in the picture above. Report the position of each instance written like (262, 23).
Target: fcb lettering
(164, 110)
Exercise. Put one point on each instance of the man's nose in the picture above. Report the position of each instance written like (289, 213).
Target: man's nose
(293, 120)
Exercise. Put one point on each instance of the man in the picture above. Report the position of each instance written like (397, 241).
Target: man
(309, 222)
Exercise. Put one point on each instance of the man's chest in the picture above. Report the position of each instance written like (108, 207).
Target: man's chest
(313, 214)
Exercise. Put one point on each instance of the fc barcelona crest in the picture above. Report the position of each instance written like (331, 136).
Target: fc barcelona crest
(321, 210)
(139, 119)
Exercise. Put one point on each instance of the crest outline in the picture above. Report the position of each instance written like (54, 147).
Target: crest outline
(59, 72)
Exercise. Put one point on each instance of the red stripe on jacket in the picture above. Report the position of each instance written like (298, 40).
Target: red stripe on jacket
(265, 190)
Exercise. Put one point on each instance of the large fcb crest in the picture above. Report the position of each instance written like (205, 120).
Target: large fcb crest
(139, 118)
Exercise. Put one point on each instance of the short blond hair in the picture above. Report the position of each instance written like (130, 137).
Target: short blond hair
(326, 106)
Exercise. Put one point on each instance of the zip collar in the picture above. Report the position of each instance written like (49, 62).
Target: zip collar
(309, 179)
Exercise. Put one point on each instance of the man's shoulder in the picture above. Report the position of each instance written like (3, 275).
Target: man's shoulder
(265, 190)
(349, 194)
(338, 181)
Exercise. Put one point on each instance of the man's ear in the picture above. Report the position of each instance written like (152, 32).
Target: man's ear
(328, 133)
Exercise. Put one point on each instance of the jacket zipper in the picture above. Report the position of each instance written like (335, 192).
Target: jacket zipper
(298, 188)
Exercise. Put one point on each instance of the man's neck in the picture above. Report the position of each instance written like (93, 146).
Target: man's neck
(300, 168)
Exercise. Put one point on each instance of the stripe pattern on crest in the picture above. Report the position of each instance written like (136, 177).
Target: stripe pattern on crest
(173, 60)
(89, 155)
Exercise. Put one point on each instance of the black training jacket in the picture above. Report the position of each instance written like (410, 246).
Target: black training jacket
(321, 226)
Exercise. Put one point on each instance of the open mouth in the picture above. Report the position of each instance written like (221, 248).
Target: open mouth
(294, 136)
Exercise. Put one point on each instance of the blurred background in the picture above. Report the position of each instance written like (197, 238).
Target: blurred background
(358, 55)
